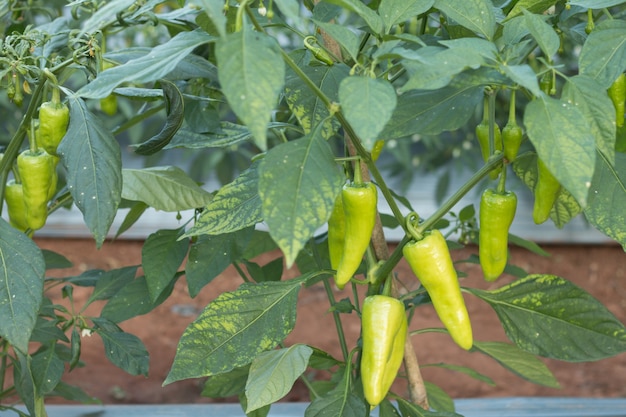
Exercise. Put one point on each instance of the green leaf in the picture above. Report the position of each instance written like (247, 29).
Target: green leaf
(465, 370)
(533, 6)
(603, 56)
(234, 328)
(409, 409)
(124, 350)
(344, 36)
(367, 104)
(521, 363)
(432, 112)
(135, 212)
(162, 254)
(307, 107)
(73, 393)
(47, 369)
(387, 409)
(565, 207)
(55, 260)
(341, 401)
(227, 384)
(93, 161)
(166, 188)
(595, 4)
(273, 373)
(394, 12)
(46, 331)
(543, 33)
(161, 60)
(132, 300)
(607, 198)
(563, 140)
(438, 398)
(209, 256)
(251, 72)
(371, 18)
(175, 110)
(110, 282)
(215, 11)
(527, 244)
(298, 183)
(593, 102)
(25, 386)
(235, 206)
(475, 15)
(21, 289)
(551, 317)
(259, 412)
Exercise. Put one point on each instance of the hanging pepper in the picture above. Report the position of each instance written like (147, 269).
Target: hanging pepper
(54, 118)
(497, 211)
(617, 94)
(36, 171)
(511, 133)
(14, 196)
(384, 331)
(336, 233)
(430, 260)
(359, 205)
(546, 191)
(482, 134)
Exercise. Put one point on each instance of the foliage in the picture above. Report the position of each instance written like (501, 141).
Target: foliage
(282, 102)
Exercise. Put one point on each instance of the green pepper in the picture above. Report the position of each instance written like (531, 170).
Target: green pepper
(336, 233)
(482, 134)
(384, 331)
(359, 206)
(35, 169)
(14, 196)
(617, 94)
(497, 211)
(546, 191)
(511, 133)
(430, 260)
(54, 118)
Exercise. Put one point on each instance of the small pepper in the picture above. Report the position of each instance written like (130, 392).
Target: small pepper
(497, 211)
(546, 191)
(14, 196)
(36, 171)
(54, 118)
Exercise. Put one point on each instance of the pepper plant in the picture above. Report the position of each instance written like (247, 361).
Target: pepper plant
(285, 102)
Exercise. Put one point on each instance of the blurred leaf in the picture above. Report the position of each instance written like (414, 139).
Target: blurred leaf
(543, 33)
(527, 244)
(110, 282)
(603, 55)
(438, 398)
(340, 401)
(475, 15)
(165, 188)
(394, 12)
(93, 161)
(343, 35)
(521, 363)
(273, 373)
(251, 72)
(235, 327)
(47, 369)
(135, 212)
(124, 350)
(370, 17)
(549, 316)
(227, 384)
(21, 292)
(55, 260)
(464, 370)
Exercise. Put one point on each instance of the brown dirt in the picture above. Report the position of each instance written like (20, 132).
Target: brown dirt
(601, 270)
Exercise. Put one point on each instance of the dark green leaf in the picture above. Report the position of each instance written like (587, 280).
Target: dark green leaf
(607, 198)
(260, 243)
(110, 282)
(235, 206)
(234, 328)
(322, 360)
(25, 386)
(55, 260)
(549, 316)
(341, 401)
(72, 393)
(135, 212)
(527, 244)
(563, 140)
(298, 184)
(465, 370)
(543, 33)
(162, 254)
(603, 56)
(47, 331)
(438, 399)
(227, 384)
(370, 17)
(21, 291)
(521, 363)
(157, 64)
(411, 410)
(367, 104)
(251, 72)
(209, 256)
(93, 161)
(124, 350)
(307, 107)
(47, 369)
(273, 373)
(75, 349)
(386, 409)
(164, 188)
(175, 110)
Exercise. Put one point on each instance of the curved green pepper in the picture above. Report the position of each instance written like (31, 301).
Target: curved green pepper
(546, 191)
(497, 211)
(36, 170)
(430, 260)
(359, 206)
(384, 331)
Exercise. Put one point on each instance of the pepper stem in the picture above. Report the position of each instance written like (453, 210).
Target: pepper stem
(32, 140)
(512, 120)
(358, 179)
(412, 219)
(502, 182)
